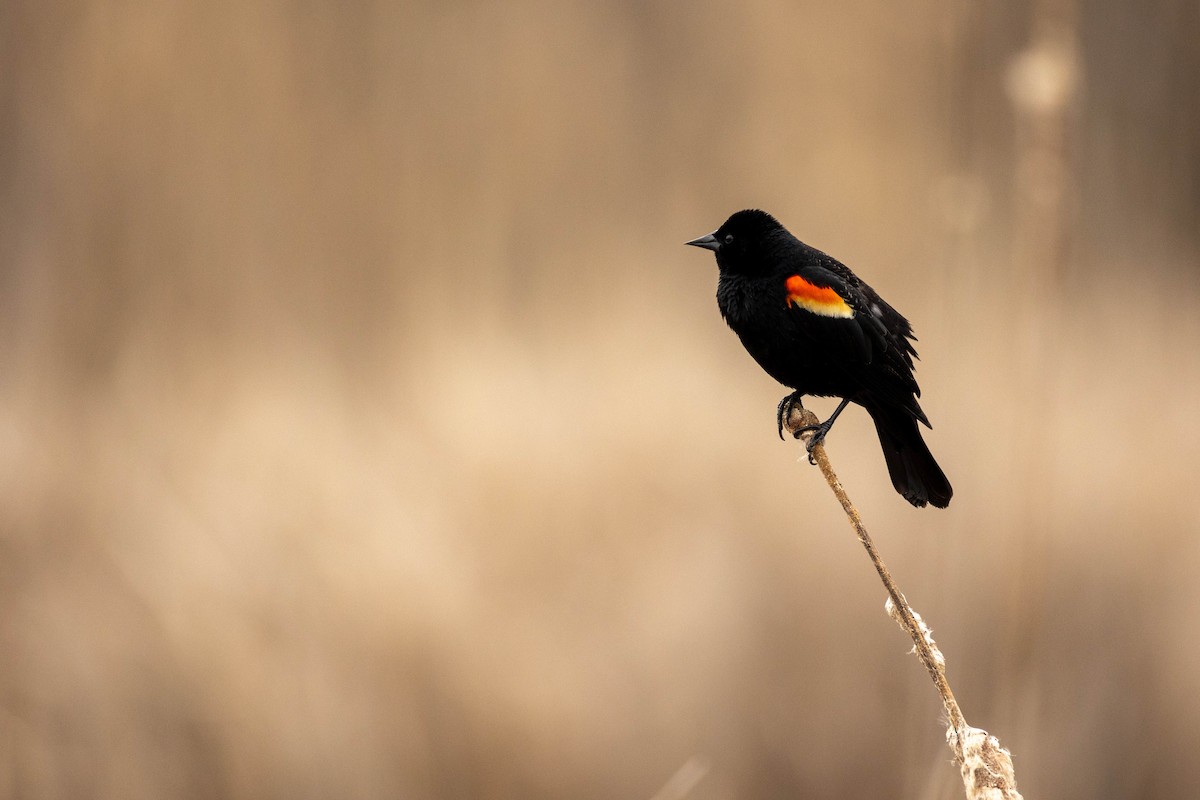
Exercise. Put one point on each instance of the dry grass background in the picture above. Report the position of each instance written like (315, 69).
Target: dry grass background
(367, 431)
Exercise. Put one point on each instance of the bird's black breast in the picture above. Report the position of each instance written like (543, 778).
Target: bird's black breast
(757, 310)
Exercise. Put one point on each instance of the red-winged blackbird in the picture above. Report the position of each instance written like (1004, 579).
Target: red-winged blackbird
(813, 325)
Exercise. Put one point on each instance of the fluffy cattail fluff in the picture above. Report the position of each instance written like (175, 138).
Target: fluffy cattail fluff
(987, 768)
(926, 632)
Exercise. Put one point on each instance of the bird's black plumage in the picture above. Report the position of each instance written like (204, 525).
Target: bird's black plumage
(813, 325)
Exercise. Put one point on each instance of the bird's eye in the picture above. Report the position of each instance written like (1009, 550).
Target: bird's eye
(728, 238)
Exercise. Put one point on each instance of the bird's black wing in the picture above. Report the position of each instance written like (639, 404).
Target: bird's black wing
(899, 330)
(831, 310)
(862, 335)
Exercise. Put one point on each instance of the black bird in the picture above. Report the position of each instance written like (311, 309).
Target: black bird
(813, 325)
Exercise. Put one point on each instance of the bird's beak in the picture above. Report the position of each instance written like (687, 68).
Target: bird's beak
(708, 242)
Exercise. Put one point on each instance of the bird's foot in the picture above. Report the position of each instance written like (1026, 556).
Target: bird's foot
(785, 410)
(818, 431)
(818, 437)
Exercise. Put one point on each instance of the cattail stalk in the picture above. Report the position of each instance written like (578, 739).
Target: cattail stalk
(987, 769)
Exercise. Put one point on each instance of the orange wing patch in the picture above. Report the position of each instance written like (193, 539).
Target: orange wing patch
(817, 299)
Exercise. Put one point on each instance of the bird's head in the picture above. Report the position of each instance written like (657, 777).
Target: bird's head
(747, 243)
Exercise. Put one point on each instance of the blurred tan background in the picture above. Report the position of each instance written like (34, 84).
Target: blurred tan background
(367, 431)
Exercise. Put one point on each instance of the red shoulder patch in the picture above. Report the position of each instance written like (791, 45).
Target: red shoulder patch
(817, 299)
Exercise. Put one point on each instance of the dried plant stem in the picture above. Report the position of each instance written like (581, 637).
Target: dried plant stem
(986, 767)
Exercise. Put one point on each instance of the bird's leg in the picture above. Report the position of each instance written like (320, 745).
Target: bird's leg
(785, 410)
(819, 431)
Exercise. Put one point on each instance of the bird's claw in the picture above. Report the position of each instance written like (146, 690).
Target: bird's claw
(817, 438)
(784, 410)
(818, 431)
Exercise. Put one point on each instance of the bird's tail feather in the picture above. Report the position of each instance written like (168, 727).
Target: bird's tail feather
(915, 473)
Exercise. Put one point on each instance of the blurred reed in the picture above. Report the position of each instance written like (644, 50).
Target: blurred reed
(365, 429)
